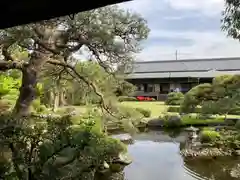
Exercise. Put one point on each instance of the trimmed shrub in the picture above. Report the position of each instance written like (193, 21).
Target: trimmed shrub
(42, 108)
(171, 120)
(174, 98)
(235, 111)
(178, 109)
(146, 113)
(207, 136)
(126, 98)
(174, 121)
(36, 104)
(173, 109)
(237, 125)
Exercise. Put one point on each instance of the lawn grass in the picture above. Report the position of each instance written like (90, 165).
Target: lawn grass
(191, 120)
(155, 107)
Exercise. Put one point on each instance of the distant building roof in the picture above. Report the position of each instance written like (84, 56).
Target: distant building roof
(202, 68)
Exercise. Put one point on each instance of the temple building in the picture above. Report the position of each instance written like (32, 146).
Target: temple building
(158, 78)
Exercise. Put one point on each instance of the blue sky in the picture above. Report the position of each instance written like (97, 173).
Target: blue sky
(190, 26)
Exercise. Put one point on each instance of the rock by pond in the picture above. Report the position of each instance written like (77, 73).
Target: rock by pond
(205, 153)
(155, 123)
(125, 138)
(235, 171)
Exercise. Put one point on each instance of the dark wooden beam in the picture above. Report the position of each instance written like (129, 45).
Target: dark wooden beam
(18, 12)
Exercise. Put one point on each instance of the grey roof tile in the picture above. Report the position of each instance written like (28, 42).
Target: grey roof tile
(187, 65)
(185, 68)
(209, 74)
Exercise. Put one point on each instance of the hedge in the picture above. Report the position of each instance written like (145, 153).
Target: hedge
(174, 98)
(177, 109)
(126, 98)
(198, 110)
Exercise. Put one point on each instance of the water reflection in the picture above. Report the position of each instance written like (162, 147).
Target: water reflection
(156, 156)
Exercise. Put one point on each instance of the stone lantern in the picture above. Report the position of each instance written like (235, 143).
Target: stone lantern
(192, 132)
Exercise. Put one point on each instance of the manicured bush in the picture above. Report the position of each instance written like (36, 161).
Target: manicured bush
(174, 121)
(36, 106)
(42, 108)
(146, 113)
(126, 98)
(195, 97)
(235, 111)
(207, 136)
(237, 125)
(173, 109)
(174, 98)
(171, 120)
(178, 109)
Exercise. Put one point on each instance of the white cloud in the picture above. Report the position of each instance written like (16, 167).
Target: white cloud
(205, 45)
(210, 43)
(208, 7)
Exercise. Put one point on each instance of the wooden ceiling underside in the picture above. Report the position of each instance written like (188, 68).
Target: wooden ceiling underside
(17, 12)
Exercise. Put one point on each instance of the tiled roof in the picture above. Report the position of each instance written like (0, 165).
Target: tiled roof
(206, 74)
(185, 68)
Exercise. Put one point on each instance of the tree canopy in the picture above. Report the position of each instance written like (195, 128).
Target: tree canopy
(219, 97)
(45, 54)
(109, 34)
(231, 17)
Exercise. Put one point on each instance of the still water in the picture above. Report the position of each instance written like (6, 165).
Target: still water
(156, 157)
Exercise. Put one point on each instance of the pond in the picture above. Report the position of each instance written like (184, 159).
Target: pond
(156, 156)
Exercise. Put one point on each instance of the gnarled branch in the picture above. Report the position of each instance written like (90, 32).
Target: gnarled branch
(85, 80)
(6, 65)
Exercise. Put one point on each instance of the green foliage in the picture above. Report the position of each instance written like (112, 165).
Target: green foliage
(8, 84)
(174, 98)
(64, 150)
(126, 98)
(173, 109)
(146, 113)
(229, 139)
(222, 106)
(178, 109)
(207, 136)
(39, 89)
(65, 110)
(4, 106)
(38, 107)
(237, 125)
(195, 97)
(83, 94)
(171, 120)
(36, 103)
(220, 97)
(230, 21)
(55, 148)
(124, 88)
(129, 113)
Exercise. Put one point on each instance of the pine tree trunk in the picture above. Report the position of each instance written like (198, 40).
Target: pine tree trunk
(30, 73)
(56, 100)
(27, 91)
(62, 101)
